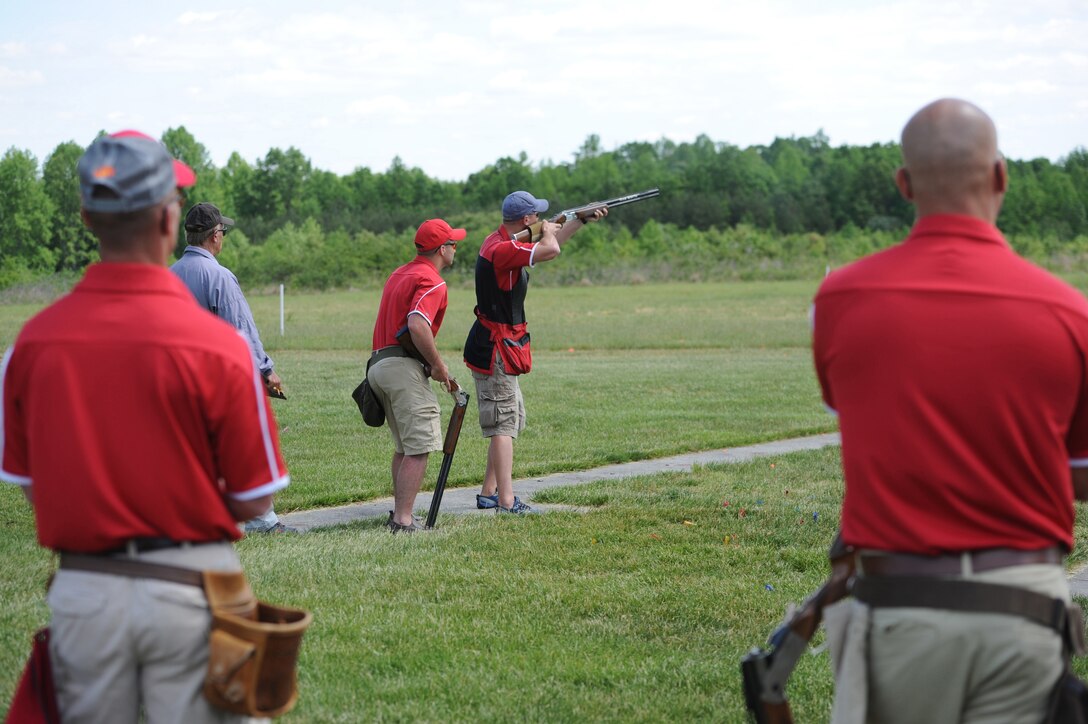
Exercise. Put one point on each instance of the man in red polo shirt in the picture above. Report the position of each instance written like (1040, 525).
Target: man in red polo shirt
(497, 348)
(138, 428)
(414, 304)
(958, 372)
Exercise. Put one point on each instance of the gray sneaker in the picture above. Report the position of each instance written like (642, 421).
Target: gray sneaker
(518, 508)
(277, 528)
(395, 527)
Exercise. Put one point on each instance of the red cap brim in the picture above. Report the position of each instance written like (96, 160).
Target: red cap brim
(185, 176)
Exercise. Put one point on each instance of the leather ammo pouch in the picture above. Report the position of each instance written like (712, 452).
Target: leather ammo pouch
(253, 648)
(1068, 703)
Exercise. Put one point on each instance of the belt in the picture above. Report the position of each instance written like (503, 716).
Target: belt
(144, 545)
(903, 564)
(131, 568)
(380, 354)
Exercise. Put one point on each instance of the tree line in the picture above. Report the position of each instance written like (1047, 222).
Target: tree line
(793, 189)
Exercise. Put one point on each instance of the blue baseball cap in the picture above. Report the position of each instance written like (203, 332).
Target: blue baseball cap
(129, 171)
(522, 203)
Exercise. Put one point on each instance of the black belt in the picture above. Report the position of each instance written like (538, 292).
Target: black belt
(380, 354)
(903, 564)
(145, 545)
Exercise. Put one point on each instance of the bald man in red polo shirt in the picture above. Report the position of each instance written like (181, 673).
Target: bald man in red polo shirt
(959, 373)
(138, 427)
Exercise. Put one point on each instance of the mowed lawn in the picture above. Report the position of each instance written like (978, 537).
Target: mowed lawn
(636, 610)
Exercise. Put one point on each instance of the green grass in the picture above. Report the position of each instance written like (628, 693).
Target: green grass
(637, 610)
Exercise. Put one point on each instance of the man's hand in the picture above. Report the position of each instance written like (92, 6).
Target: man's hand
(440, 373)
(597, 215)
(274, 384)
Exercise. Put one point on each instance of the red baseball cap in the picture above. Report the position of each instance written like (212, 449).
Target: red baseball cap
(436, 232)
(184, 175)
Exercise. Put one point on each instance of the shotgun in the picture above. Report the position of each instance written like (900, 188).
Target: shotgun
(584, 212)
(453, 432)
(766, 671)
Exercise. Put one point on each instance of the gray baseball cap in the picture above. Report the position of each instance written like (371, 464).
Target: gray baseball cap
(522, 203)
(128, 171)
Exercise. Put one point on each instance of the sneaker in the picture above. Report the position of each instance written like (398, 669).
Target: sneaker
(518, 508)
(277, 528)
(486, 502)
(395, 527)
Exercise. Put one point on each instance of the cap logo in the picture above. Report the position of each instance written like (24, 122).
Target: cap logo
(106, 171)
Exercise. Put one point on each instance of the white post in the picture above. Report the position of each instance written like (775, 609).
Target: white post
(281, 310)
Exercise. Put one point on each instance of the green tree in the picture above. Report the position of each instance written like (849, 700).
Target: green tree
(26, 213)
(183, 146)
(73, 245)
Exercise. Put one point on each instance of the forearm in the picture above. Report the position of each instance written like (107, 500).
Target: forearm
(246, 509)
(422, 338)
(568, 230)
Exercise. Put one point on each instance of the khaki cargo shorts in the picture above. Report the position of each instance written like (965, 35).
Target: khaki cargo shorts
(502, 408)
(411, 406)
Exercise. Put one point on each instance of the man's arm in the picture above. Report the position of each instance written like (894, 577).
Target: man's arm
(234, 309)
(247, 509)
(572, 226)
(420, 329)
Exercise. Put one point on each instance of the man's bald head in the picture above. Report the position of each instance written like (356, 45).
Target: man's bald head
(950, 161)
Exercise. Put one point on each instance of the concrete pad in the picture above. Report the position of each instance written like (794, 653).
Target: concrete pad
(462, 501)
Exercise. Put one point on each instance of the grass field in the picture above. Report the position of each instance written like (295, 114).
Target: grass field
(637, 610)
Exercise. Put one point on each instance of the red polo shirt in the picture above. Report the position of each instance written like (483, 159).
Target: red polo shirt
(132, 412)
(959, 372)
(507, 256)
(415, 288)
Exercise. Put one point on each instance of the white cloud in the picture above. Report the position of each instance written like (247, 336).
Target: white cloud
(10, 78)
(192, 18)
(1024, 87)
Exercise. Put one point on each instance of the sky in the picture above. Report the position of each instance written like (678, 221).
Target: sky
(451, 87)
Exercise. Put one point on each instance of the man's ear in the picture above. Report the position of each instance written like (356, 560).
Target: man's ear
(902, 182)
(1001, 176)
(83, 216)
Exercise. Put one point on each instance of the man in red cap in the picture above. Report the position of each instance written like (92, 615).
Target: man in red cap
(134, 458)
(414, 304)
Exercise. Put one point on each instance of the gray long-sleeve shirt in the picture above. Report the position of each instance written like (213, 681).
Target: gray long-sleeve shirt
(217, 290)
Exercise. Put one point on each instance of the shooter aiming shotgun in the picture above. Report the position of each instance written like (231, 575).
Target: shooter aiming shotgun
(583, 213)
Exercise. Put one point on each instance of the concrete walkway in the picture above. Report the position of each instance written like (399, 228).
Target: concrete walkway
(462, 501)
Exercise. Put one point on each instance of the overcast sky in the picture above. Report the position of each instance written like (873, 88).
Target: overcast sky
(452, 86)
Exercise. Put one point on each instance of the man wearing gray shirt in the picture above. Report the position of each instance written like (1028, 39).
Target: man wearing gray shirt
(217, 290)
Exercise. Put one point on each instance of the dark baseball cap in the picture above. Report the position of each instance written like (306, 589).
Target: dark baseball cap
(522, 203)
(129, 171)
(206, 216)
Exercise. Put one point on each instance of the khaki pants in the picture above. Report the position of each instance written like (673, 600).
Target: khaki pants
(118, 644)
(947, 667)
(411, 406)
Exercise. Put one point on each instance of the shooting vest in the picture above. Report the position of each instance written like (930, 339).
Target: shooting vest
(500, 319)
